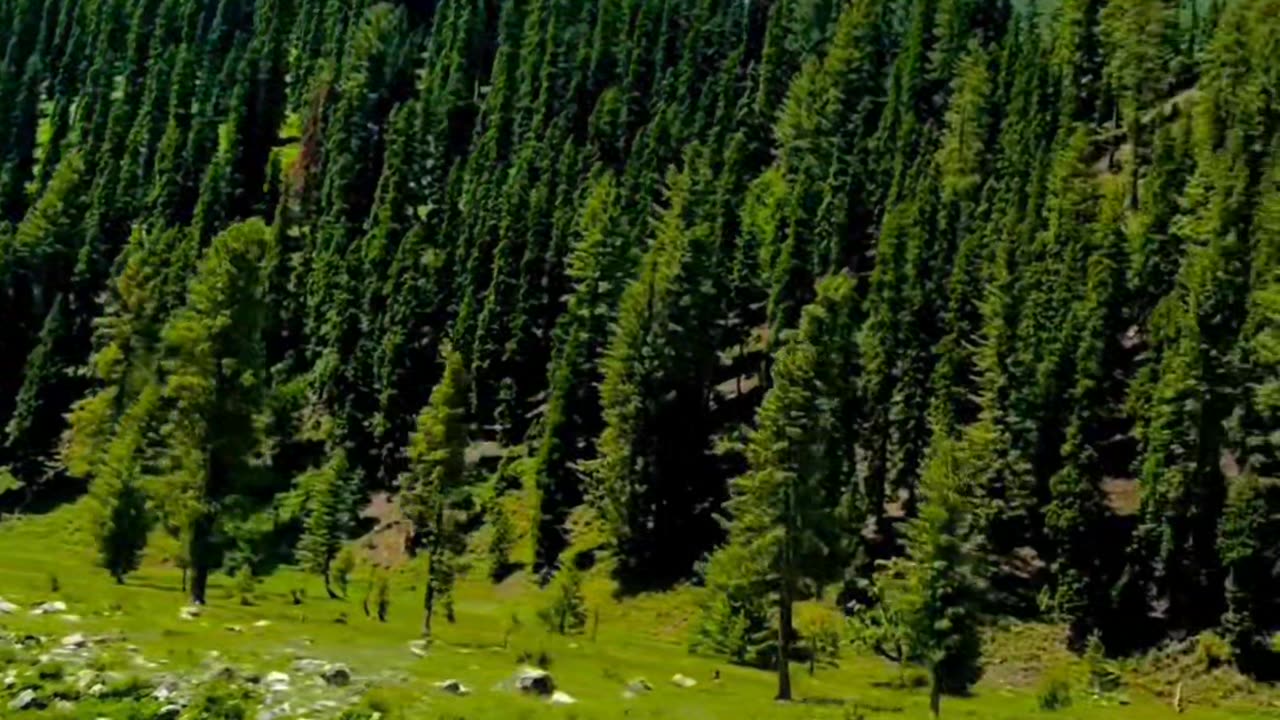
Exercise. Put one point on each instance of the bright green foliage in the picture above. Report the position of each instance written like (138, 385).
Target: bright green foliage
(435, 473)
(785, 525)
(566, 608)
(213, 362)
(328, 501)
(933, 596)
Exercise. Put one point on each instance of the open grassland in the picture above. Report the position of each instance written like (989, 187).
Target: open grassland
(136, 637)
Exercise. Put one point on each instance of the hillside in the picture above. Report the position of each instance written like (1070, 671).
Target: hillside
(935, 315)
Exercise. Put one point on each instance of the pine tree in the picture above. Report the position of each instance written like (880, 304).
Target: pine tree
(435, 472)
(784, 510)
(328, 510)
(121, 515)
(213, 362)
(932, 597)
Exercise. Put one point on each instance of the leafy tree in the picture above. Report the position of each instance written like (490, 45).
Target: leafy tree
(932, 596)
(436, 469)
(328, 515)
(213, 363)
(566, 610)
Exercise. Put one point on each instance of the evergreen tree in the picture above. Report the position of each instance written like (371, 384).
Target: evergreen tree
(328, 515)
(435, 472)
(213, 362)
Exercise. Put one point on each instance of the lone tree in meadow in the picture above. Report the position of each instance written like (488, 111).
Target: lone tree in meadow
(328, 501)
(785, 509)
(437, 464)
(214, 363)
(929, 599)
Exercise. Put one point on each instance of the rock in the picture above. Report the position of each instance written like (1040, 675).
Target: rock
(638, 685)
(683, 681)
(23, 701)
(309, 666)
(74, 642)
(85, 678)
(275, 712)
(337, 675)
(418, 647)
(276, 681)
(168, 712)
(262, 623)
(234, 629)
(535, 681)
(97, 690)
(166, 690)
(64, 706)
(453, 687)
(10, 678)
(50, 608)
(71, 618)
(560, 697)
(190, 612)
(7, 608)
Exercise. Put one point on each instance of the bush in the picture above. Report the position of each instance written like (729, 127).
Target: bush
(1102, 676)
(221, 701)
(1055, 691)
(245, 584)
(1212, 651)
(340, 571)
(567, 611)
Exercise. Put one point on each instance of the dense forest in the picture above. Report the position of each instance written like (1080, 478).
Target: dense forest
(775, 296)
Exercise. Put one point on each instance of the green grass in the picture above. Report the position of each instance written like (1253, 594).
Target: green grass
(641, 637)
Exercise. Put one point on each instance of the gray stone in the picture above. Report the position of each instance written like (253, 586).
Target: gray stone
(7, 608)
(418, 647)
(50, 608)
(276, 681)
(337, 675)
(453, 687)
(310, 666)
(224, 673)
(169, 712)
(190, 612)
(274, 713)
(23, 701)
(534, 681)
(262, 623)
(74, 642)
(639, 685)
(97, 690)
(560, 697)
(683, 681)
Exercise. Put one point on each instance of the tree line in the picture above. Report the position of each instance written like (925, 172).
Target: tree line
(781, 295)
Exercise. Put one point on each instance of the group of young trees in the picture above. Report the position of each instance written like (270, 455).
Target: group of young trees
(834, 272)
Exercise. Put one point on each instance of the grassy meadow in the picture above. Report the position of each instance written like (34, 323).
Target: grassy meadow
(136, 635)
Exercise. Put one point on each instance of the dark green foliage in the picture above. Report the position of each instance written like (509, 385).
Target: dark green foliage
(566, 609)
(238, 237)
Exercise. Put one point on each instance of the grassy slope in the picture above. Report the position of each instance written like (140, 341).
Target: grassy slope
(641, 637)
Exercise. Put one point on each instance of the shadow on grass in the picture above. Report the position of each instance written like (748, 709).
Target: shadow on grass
(851, 704)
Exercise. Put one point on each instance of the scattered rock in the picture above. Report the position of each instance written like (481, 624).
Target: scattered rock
(560, 697)
(453, 687)
(85, 678)
(418, 647)
(224, 673)
(683, 681)
(71, 618)
(275, 712)
(97, 690)
(7, 608)
(262, 623)
(75, 642)
(535, 681)
(276, 681)
(23, 701)
(50, 608)
(639, 685)
(11, 678)
(190, 612)
(309, 666)
(337, 675)
(234, 629)
(166, 690)
(169, 712)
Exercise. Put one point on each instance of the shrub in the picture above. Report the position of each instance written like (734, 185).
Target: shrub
(1102, 676)
(245, 584)
(220, 701)
(340, 571)
(567, 611)
(1055, 691)
(1212, 651)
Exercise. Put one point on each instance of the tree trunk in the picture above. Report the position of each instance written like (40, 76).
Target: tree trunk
(332, 595)
(184, 580)
(784, 642)
(935, 693)
(428, 605)
(199, 582)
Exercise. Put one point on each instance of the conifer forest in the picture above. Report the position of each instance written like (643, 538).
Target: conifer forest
(937, 310)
